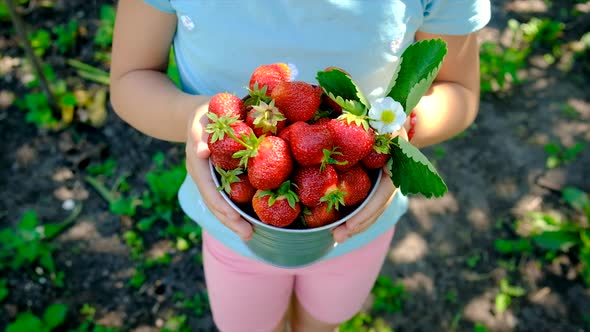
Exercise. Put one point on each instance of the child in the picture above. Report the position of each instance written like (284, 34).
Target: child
(217, 45)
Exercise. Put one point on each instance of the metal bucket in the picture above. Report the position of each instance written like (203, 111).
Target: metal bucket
(287, 247)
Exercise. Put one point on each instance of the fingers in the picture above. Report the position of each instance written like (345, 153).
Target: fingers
(369, 214)
(199, 170)
(198, 136)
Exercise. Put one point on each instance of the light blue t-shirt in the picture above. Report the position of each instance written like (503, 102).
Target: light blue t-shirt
(218, 44)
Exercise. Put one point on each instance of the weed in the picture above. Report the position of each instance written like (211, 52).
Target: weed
(53, 317)
(198, 305)
(558, 155)
(500, 63)
(511, 247)
(451, 296)
(479, 327)
(473, 260)
(107, 168)
(104, 35)
(506, 294)
(28, 246)
(176, 324)
(40, 41)
(4, 14)
(389, 297)
(3, 289)
(66, 36)
(363, 322)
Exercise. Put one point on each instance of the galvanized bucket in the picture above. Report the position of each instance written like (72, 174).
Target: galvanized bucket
(287, 247)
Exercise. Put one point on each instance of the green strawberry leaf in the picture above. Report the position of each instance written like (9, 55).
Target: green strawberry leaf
(340, 87)
(418, 67)
(412, 172)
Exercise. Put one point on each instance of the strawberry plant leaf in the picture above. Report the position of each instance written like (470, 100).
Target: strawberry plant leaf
(55, 315)
(341, 88)
(418, 67)
(412, 172)
(556, 240)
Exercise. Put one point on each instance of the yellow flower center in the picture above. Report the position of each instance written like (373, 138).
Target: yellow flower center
(388, 116)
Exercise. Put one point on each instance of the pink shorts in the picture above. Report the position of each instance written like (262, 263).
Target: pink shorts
(248, 295)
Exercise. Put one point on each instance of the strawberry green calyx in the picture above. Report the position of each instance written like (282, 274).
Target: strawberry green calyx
(220, 126)
(359, 120)
(267, 116)
(382, 144)
(283, 192)
(228, 177)
(257, 95)
(329, 160)
(334, 198)
(251, 143)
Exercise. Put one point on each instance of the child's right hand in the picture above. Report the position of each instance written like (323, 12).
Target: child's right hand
(197, 164)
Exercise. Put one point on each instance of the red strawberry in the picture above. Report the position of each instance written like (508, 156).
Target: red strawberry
(331, 104)
(269, 76)
(355, 183)
(320, 215)
(353, 138)
(297, 100)
(227, 104)
(236, 184)
(308, 143)
(314, 185)
(277, 208)
(222, 146)
(379, 155)
(285, 134)
(224, 161)
(270, 164)
(265, 119)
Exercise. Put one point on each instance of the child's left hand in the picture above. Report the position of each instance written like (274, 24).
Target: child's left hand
(374, 208)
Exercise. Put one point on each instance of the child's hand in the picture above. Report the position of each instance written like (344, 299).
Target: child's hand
(374, 208)
(197, 164)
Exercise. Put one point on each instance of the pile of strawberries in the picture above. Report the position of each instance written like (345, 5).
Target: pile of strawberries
(289, 153)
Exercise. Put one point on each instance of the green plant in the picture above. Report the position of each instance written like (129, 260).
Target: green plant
(66, 36)
(4, 14)
(40, 41)
(28, 246)
(363, 322)
(473, 260)
(163, 184)
(107, 168)
(518, 246)
(389, 297)
(563, 234)
(199, 304)
(104, 34)
(558, 155)
(53, 317)
(479, 327)
(3, 289)
(505, 295)
(89, 325)
(38, 110)
(176, 324)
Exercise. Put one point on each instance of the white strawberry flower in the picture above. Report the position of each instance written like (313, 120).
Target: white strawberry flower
(386, 115)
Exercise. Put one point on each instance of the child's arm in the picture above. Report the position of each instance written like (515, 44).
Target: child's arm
(148, 100)
(447, 109)
(451, 104)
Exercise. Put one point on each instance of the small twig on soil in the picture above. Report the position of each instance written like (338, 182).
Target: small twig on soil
(35, 62)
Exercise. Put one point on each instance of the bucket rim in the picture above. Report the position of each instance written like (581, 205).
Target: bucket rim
(288, 230)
